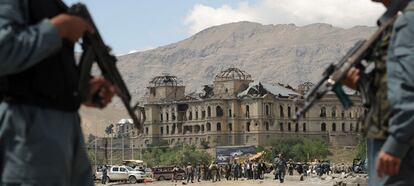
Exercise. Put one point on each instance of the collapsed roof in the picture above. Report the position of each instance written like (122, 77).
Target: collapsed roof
(260, 89)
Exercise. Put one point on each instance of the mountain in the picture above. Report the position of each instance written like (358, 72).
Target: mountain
(270, 53)
(283, 53)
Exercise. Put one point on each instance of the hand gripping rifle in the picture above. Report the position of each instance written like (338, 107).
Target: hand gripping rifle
(95, 50)
(336, 73)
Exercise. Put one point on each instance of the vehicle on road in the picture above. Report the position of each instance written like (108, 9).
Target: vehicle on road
(166, 173)
(124, 173)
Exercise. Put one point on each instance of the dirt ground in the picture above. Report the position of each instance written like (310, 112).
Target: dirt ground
(268, 181)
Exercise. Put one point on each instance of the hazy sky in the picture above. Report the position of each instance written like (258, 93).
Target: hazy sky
(135, 25)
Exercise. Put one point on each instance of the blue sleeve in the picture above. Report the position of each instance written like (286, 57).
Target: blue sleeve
(400, 70)
(23, 45)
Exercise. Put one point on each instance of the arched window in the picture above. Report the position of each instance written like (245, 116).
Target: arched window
(297, 127)
(190, 115)
(281, 126)
(161, 118)
(323, 112)
(203, 114)
(208, 127)
(289, 127)
(343, 127)
(296, 111)
(218, 126)
(168, 129)
(334, 127)
(208, 111)
(304, 127)
(248, 126)
(282, 115)
(202, 128)
(230, 114)
(167, 117)
(247, 111)
(196, 114)
(230, 127)
(267, 110)
(267, 126)
(323, 127)
(219, 111)
(334, 112)
(343, 114)
(289, 114)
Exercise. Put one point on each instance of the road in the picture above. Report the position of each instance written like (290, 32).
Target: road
(268, 181)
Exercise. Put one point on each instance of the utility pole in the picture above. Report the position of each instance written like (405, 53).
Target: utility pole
(123, 157)
(96, 144)
(112, 136)
(132, 145)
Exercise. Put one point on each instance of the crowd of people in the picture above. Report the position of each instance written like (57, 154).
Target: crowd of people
(256, 170)
(229, 171)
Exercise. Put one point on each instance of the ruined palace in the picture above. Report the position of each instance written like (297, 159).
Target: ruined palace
(236, 110)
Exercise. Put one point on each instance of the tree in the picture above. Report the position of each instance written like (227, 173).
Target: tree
(300, 149)
(310, 149)
(361, 150)
(283, 145)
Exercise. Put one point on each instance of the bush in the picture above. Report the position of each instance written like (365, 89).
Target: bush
(300, 149)
(179, 155)
(361, 150)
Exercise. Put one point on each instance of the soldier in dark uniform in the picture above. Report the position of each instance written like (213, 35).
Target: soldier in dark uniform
(41, 140)
(104, 174)
(280, 168)
(389, 122)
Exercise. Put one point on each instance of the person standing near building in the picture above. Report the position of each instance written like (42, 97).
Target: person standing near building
(190, 172)
(104, 174)
(175, 173)
(390, 127)
(199, 173)
(280, 168)
(41, 141)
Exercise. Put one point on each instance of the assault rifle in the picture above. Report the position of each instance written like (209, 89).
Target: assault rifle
(355, 57)
(95, 50)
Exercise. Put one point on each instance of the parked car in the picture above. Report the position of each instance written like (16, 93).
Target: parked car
(124, 173)
(166, 173)
(147, 171)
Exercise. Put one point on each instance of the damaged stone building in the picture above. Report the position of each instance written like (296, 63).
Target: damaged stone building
(236, 110)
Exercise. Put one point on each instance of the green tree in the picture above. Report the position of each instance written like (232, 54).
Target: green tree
(300, 149)
(283, 145)
(361, 150)
(314, 148)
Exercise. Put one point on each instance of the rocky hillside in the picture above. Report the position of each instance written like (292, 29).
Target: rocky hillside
(270, 53)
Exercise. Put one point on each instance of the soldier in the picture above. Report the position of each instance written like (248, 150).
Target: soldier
(390, 126)
(41, 140)
(280, 168)
(104, 174)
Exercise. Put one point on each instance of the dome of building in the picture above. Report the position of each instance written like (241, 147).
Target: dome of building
(164, 80)
(233, 74)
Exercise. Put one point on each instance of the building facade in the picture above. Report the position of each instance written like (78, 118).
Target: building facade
(235, 110)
